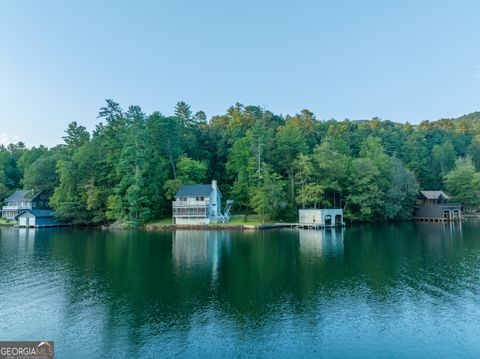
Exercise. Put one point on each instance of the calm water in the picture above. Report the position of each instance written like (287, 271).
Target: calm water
(399, 290)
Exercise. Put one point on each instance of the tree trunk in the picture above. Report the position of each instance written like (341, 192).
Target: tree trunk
(173, 165)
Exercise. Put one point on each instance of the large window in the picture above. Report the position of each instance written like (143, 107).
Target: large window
(190, 211)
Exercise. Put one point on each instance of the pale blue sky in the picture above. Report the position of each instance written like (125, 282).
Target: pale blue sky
(399, 60)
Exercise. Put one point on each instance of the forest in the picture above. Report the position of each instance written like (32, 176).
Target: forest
(129, 167)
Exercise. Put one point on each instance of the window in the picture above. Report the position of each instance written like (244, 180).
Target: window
(34, 204)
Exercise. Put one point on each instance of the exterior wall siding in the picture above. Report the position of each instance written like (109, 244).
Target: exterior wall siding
(320, 216)
(28, 220)
(183, 220)
(435, 211)
(14, 208)
(191, 209)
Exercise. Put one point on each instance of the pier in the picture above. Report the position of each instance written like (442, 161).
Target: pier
(307, 225)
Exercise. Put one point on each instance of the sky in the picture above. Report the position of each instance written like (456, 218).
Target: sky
(403, 60)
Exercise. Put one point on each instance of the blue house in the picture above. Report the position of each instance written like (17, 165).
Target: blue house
(37, 218)
(197, 204)
(20, 201)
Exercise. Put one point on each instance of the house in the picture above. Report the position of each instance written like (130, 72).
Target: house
(434, 206)
(23, 200)
(324, 217)
(197, 204)
(37, 218)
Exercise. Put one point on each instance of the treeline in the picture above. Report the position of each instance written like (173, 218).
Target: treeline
(130, 166)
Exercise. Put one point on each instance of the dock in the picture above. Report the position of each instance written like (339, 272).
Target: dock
(38, 226)
(307, 225)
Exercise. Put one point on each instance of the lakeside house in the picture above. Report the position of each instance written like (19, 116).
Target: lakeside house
(324, 217)
(197, 204)
(434, 206)
(20, 201)
(37, 218)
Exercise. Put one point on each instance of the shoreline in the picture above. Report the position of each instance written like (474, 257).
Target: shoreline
(218, 226)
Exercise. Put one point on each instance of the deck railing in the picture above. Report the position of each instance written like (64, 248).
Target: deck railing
(190, 211)
(10, 208)
(190, 204)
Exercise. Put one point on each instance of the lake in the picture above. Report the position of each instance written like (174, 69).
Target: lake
(404, 290)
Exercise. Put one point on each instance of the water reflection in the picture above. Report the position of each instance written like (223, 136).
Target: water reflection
(195, 249)
(220, 293)
(327, 242)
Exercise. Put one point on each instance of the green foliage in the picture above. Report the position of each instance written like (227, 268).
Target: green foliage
(401, 196)
(444, 156)
(267, 198)
(365, 198)
(191, 171)
(463, 183)
(10, 174)
(474, 153)
(130, 167)
(41, 175)
(76, 135)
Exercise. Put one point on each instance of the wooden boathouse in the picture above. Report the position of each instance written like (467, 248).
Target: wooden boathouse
(434, 206)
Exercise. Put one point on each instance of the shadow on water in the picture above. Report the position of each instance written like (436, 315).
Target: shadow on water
(222, 292)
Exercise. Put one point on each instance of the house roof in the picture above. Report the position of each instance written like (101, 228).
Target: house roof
(190, 190)
(22, 196)
(39, 213)
(433, 194)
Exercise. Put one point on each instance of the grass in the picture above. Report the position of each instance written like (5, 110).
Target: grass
(236, 220)
(253, 220)
(162, 221)
(6, 222)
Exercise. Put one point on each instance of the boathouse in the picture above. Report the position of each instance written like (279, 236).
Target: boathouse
(324, 217)
(434, 206)
(197, 204)
(20, 201)
(37, 218)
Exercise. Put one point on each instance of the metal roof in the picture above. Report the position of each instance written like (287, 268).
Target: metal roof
(21, 196)
(192, 190)
(39, 213)
(433, 194)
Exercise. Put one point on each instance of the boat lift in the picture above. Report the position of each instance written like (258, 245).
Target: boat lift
(225, 217)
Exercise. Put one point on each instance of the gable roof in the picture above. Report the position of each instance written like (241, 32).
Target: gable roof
(39, 213)
(22, 196)
(192, 190)
(433, 194)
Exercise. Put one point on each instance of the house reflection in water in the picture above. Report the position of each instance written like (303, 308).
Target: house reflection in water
(327, 242)
(194, 249)
(24, 240)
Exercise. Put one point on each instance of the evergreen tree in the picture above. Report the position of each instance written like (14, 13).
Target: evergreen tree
(463, 183)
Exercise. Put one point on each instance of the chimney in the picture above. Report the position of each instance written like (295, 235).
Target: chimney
(215, 196)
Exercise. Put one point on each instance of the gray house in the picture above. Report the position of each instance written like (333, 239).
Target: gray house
(434, 206)
(23, 200)
(197, 204)
(37, 218)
